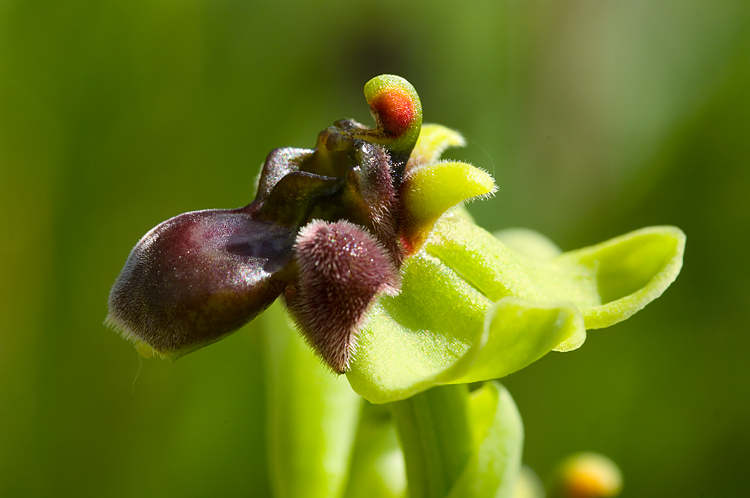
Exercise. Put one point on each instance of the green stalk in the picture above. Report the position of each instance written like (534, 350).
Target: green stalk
(312, 416)
(435, 433)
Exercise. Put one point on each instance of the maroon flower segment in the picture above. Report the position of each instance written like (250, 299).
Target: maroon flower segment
(198, 277)
(324, 230)
(341, 269)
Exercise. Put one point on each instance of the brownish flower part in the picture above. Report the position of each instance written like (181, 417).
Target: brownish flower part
(197, 277)
(342, 268)
(370, 198)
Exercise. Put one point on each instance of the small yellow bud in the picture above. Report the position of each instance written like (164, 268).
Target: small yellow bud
(587, 475)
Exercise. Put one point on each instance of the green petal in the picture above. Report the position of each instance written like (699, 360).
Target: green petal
(423, 337)
(494, 468)
(608, 282)
(436, 332)
(312, 415)
(518, 332)
(471, 309)
(433, 140)
(431, 190)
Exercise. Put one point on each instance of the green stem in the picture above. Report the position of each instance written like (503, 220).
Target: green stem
(435, 434)
(312, 416)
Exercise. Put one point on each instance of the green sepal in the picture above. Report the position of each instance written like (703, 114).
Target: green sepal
(433, 140)
(435, 332)
(528, 243)
(432, 189)
(471, 309)
(425, 336)
(608, 282)
(617, 278)
(519, 332)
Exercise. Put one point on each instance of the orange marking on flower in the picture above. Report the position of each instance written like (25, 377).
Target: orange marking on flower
(394, 108)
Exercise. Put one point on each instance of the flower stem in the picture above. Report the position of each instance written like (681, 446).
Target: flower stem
(312, 416)
(436, 438)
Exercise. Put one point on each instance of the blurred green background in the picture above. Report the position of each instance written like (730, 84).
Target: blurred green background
(596, 117)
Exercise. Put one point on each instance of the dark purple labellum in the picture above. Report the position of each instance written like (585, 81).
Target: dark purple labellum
(197, 277)
(342, 268)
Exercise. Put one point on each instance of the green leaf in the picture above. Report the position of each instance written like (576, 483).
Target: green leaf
(529, 485)
(460, 444)
(494, 467)
(471, 309)
(312, 416)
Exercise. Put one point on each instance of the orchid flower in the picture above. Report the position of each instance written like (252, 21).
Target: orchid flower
(390, 282)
